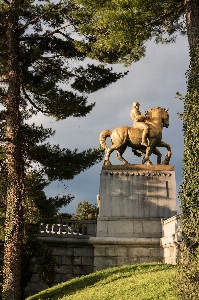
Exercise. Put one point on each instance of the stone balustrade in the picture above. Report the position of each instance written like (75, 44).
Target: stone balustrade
(68, 228)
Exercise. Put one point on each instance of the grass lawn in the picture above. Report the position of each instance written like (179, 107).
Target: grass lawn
(143, 281)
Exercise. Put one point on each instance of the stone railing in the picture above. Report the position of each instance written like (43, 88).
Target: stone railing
(171, 237)
(172, 230)
(68, 228)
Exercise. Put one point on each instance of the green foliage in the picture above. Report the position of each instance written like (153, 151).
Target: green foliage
(37, 205)
(139, 282)
(37, 258)
(63, 163)
(67, 216)
(116, 31)
(189, 195)
(86, 211)
(53, 71)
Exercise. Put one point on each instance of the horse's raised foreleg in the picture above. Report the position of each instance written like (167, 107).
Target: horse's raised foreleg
(169, 153)
(159, 155)
(119, 153)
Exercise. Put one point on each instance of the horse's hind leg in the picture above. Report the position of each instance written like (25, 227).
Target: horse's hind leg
(119, 153)
(108, 153)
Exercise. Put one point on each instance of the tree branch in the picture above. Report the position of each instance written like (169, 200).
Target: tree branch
(50, 57)
(66, 36)
(33, 20)
(173, 12)
(31, 102)
(45, 35)
(38, 17)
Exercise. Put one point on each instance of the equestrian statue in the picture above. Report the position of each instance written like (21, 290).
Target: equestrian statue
(143, 137)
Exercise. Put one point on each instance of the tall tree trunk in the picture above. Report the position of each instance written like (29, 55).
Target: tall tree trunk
(189, 287)
(192, 20)
(14, 211)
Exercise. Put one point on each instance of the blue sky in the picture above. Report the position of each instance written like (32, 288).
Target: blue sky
(154, 80)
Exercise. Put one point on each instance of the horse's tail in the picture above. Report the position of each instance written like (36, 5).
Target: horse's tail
(103, 135)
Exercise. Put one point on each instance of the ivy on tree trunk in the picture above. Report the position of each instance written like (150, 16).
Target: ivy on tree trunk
(189, 195)
(14, 212)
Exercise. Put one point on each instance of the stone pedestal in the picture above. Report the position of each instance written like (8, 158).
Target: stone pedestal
(133, 201)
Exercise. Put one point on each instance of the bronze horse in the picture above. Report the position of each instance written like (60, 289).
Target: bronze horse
(124, 136)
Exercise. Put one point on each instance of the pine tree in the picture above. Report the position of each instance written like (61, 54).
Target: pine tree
(37, 49)
(117, 31)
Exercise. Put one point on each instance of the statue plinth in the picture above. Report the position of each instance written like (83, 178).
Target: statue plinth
(133, 167)
(133, 201)
(137, 191)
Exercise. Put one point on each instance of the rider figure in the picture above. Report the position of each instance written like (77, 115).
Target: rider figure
(139, 122)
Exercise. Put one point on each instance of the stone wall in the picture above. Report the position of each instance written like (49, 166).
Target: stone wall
(73, 252)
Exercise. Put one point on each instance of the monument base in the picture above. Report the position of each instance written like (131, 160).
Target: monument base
(133, 201)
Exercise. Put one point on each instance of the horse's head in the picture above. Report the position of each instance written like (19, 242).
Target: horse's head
(165, 119)
(156, 113)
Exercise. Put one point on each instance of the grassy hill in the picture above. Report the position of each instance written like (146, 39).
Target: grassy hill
(144, 281)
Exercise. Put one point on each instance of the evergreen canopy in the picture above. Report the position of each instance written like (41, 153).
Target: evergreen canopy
(54, 78)
(116, 30)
